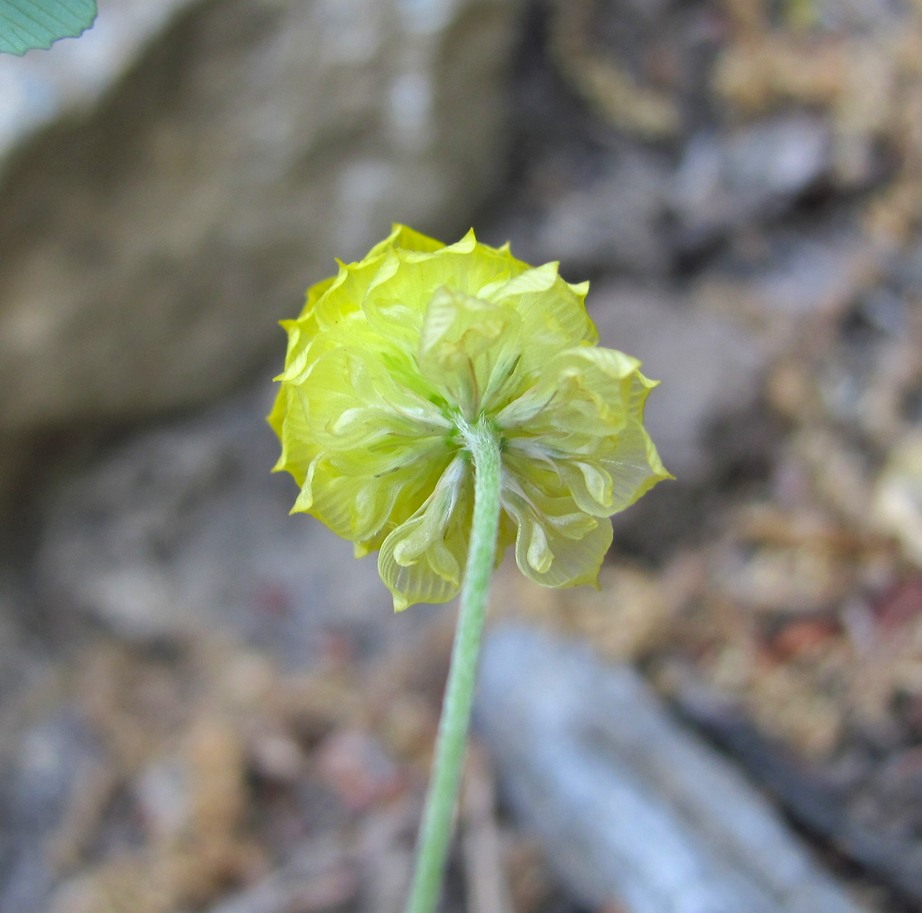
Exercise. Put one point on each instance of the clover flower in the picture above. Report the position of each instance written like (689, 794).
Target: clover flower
(394, 360)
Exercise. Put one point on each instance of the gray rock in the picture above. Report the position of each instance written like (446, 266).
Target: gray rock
(809, 275)
(13, 652)
(752, 171)
(610, 222)
(36, 789)
(183, 530)
(632, 810)
(710, 366)
(151, 242)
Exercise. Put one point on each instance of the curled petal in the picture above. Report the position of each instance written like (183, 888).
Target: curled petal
(423, 558)
(404, 238)
(397, 297)
(288, 419)
(361, 507)
(553, 313)
(585, 418)
(329, 302)
(590, 485)
(556, 544)
(463, 342)
(354, 401)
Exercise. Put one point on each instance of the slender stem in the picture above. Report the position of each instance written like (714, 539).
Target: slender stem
(435, 833)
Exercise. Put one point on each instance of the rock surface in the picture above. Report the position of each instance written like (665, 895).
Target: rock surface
(631, 809)
(710, 366)
(151, 242)
(183, 530)
(38, 787)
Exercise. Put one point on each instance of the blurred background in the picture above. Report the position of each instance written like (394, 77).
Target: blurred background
(208, 705)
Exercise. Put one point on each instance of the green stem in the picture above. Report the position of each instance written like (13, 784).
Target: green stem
(435, 832)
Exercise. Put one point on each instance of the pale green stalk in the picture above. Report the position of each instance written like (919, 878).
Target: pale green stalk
(435, 832)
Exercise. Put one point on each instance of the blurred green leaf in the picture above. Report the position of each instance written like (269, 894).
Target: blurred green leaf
(27, 24)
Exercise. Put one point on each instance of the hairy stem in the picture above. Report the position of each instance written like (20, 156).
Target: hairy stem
(483, 444)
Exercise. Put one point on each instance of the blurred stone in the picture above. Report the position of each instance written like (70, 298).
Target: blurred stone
(706, 417)
(791, 277)
(710, 366)
(908, 269)
(757, 170)
(36, 790)
(15, 657)
(633, 811)
(184, 530)
(611, 222)
(151, 242)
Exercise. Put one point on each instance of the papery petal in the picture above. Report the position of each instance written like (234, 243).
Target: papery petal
(355, 396)
(585, 417)
(362, 507)
(634, 464)
(289, 420)
(314, 293)
(302, 331)
(342, 295)
(423, 558)
(556, 543)
(466, 266)
(553, 313)
(580, 389)
(329, 301)
(464, 340)
(401, 290)
(405, 238)
(373, 447)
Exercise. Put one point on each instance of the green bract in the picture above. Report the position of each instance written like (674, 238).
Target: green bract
(394, 357)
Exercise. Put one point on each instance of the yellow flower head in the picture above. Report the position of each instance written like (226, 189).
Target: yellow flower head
(396, 353)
